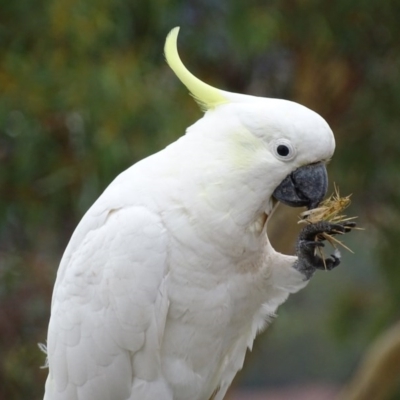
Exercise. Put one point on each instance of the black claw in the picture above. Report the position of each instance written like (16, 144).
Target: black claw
(344, 227)
(310, 231)
(329, 263)
(310, 238)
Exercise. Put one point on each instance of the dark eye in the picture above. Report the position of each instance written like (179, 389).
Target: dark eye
(282, 150)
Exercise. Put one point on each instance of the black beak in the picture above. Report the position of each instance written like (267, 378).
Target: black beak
(306, 186)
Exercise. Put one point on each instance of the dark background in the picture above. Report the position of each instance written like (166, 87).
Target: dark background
(85, 92)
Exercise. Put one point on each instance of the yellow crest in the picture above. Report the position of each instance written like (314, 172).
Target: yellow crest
(206, 96)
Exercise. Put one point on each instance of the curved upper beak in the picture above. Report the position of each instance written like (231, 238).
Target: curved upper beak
(306, 186)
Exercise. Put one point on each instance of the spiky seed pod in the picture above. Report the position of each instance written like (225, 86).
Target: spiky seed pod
(330, 210)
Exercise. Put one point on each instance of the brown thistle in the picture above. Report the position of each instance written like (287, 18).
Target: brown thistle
(330, 210)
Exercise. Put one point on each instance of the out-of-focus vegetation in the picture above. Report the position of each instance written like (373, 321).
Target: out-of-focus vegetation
(85, 92)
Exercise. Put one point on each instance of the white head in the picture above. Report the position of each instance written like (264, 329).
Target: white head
(285, 139)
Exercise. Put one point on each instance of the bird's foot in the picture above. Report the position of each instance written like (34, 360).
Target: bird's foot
(310, 239)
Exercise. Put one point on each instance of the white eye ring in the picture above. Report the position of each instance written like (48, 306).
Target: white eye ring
(283, 150)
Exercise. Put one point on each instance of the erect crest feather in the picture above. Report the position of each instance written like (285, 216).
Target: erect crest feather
(206, 96)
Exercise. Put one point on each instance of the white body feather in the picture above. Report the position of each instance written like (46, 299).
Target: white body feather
(170, 274)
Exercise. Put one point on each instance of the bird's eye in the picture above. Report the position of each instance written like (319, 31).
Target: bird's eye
(283, 149)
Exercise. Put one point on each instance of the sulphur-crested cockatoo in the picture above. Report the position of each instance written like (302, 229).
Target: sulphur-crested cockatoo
(170, 274)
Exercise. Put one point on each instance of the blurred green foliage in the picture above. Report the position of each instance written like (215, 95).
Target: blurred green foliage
(85, 92)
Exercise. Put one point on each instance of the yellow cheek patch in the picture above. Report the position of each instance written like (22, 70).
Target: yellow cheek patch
(245, 149)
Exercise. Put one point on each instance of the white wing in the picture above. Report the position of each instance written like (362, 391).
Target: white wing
(109, 310)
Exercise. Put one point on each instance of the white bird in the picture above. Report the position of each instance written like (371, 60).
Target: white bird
(170, 274)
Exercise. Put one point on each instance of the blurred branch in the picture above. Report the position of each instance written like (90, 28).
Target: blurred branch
(378, 375)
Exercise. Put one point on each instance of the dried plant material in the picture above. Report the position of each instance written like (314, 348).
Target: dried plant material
(330, 210)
